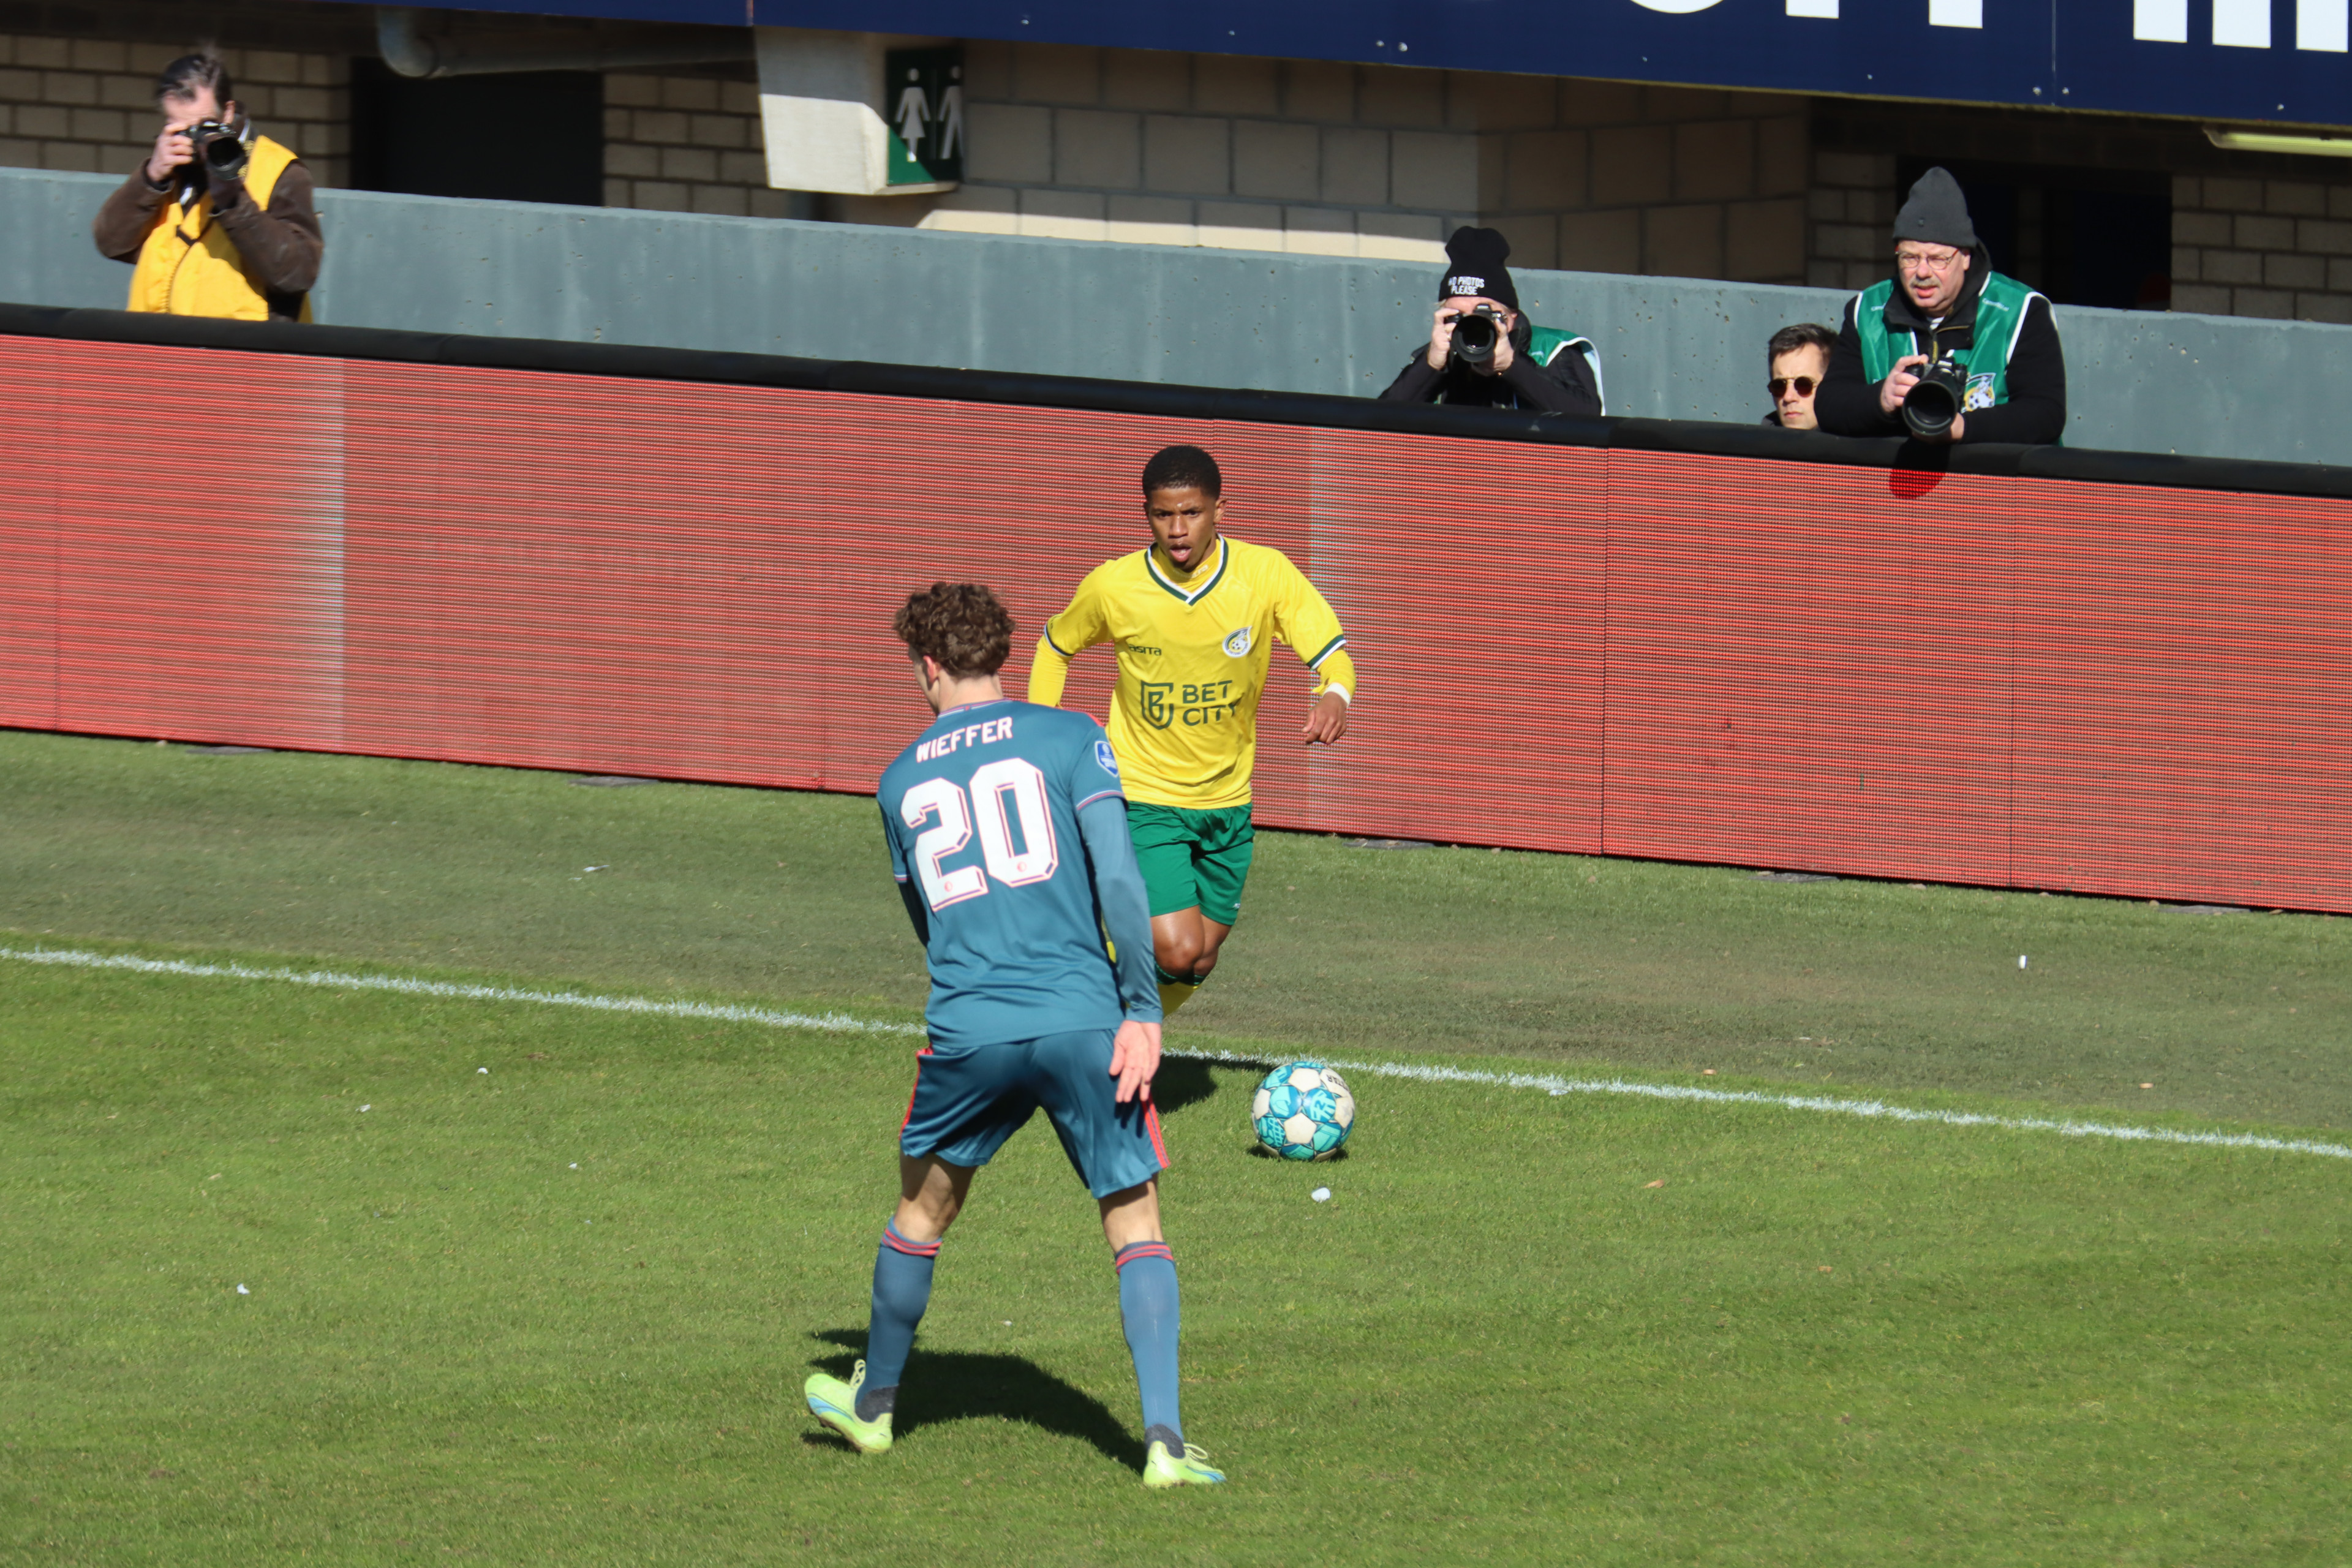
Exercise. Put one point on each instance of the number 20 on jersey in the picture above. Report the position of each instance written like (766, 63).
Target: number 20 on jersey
(1001, 791)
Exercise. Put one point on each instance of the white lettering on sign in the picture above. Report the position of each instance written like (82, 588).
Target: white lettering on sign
(2242, 24)
(2320, 25)
(2160, 21)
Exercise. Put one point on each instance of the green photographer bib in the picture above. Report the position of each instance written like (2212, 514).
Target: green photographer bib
(1545, 345)
(2001, 317)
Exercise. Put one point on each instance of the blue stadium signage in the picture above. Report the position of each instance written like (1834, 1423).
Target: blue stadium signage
(2221, 60)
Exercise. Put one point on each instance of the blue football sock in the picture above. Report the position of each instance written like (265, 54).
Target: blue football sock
(1147, 1303)
(902, 1289)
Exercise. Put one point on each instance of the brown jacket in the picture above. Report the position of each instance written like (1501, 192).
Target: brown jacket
(281, 243)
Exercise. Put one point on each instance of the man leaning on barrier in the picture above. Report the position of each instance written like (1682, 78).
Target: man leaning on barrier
(1948, 349)
(219, 220)
(1482, 351)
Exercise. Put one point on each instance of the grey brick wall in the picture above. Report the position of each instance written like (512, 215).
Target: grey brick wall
(1371, 161)
(2251, 246)
(680, 143)
(688, 144)
(1851, 216)
(89, 104)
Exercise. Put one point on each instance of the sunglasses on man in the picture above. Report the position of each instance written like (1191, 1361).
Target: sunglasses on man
(1803, 384)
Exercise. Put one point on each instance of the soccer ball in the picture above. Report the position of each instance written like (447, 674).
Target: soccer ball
(1303, 1112)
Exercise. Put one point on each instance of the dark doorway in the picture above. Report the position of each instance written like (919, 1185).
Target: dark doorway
(2083, 237)
(532, 136)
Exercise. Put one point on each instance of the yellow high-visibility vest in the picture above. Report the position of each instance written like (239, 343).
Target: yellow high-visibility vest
(190, 267)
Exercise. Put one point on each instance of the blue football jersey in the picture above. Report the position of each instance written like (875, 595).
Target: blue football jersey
(981, 814)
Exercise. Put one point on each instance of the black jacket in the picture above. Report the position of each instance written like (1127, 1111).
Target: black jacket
(1564, 386)
(1847, 405)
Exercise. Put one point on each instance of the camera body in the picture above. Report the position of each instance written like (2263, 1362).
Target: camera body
(1936, 399)
(1476, 333)
(219, 150)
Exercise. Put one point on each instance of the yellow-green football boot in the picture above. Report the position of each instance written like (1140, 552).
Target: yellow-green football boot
(1163, 1468)
(835, 1403)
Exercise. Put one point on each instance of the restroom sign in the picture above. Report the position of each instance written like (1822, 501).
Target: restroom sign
(922, 100)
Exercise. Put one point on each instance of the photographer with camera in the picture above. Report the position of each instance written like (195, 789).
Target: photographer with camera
(1947, 349)
(1482, 351)
(219, 221)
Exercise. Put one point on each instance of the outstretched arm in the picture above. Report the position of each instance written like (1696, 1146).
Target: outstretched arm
(1049, 671)
(1126, 919)
(1067, 635)
(1305, 621)
(1327, 722)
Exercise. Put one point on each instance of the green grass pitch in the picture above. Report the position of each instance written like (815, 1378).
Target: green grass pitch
(560, 1311)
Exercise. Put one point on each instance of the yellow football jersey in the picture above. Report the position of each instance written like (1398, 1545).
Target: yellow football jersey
(1193, 657)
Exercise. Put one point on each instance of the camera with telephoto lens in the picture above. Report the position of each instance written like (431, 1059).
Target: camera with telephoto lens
(1476, 333)
(218, 149)
(1936, 399)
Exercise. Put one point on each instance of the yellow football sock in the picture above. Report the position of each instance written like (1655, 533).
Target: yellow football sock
(1174, 995)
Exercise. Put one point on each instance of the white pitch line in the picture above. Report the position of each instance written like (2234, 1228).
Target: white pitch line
(1868, 1109)
(842, 1023)
(834, 1022)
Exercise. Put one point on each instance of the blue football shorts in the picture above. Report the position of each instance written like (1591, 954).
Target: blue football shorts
(969, 1100)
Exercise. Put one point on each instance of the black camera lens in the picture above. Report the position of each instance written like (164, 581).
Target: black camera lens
(1935, 400)
(219, 149)
(1474, 338)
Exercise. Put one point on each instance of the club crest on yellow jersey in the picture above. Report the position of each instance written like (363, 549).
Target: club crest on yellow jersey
(1237, 643)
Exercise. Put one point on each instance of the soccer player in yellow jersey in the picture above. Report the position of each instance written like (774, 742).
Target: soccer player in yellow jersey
(1194, 619)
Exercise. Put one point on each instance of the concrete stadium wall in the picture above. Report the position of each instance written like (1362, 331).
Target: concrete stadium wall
(2198, 386)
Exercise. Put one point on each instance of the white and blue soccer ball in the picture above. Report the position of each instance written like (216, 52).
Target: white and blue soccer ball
(1303, 1112)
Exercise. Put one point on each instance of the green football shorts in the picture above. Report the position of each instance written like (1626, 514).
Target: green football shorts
(1194, 857)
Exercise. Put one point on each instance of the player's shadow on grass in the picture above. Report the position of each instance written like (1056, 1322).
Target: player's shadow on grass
(1182, 1081)
(963, 1386)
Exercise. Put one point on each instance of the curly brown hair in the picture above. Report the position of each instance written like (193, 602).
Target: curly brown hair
(962, 624)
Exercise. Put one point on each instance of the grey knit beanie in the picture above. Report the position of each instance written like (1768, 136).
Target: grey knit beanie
(1936, 213)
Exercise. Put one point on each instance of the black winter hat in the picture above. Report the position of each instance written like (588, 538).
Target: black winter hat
(1936, 213)
(1474, 265)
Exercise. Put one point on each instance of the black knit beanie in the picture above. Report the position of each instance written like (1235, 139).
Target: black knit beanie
(1474, 265)
(1936, 213)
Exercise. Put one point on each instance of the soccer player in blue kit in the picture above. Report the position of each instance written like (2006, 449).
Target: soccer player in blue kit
(1008, 836)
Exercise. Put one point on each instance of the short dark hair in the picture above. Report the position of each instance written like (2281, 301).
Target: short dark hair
(191, 74)
(1182, 469)
(1804, 335)
(962, 624)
